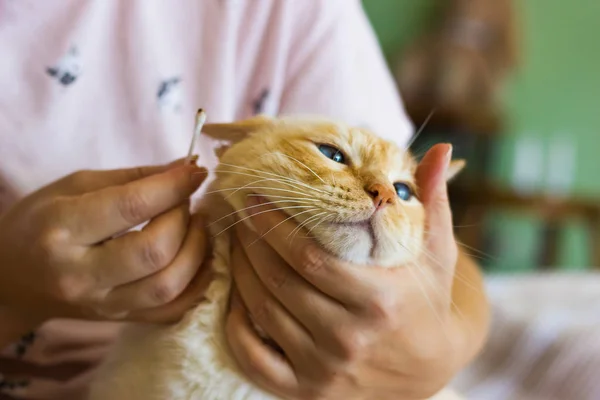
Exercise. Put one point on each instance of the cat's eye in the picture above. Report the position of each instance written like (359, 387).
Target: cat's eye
(403, 191)
(332, 153)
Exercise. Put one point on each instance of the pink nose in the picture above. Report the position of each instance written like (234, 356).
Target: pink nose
(382, 195)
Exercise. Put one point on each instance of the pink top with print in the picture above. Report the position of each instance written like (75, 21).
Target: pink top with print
(96, 84)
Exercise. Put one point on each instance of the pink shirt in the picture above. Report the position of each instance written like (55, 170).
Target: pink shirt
(96, 84)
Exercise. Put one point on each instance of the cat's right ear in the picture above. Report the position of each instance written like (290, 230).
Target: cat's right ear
(232, 132)
(456, 166)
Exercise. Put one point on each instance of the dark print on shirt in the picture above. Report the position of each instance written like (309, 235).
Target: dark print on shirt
(67, 69)
(169, 94)
(259, 104)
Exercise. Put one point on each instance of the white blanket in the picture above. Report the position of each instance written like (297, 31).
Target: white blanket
(544, 343)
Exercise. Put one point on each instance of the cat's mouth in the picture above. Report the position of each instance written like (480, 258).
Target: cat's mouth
(366, 225)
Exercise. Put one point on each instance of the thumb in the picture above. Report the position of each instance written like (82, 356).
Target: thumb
(431, 181)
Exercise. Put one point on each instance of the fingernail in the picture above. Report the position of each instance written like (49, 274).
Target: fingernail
(193, 159)
(199, 175)
(449, 155)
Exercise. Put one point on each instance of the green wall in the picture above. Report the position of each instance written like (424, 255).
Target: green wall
(556, 91)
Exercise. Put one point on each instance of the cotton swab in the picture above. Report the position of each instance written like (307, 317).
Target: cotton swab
(200, 120)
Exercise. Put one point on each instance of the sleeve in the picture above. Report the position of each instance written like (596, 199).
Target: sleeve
(336, 69)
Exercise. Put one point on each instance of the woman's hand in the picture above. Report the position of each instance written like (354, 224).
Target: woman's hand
(61, 254)
(350, 332)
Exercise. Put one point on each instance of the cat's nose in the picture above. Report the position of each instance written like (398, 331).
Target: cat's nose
(382, 195)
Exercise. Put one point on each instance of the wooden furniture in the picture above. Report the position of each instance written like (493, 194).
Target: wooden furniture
(473, 202)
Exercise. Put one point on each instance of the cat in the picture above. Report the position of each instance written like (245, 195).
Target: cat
(363, 188)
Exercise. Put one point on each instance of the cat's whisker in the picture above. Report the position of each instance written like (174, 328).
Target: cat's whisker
(279, 180)
(428, 299)
(285, 197)
(428, 254)
(475, 256)
(299, 162)
(282, 222)
(432, 281)
(304, 223)
(453, 305)
(245, 186)
(423, 125)
(447, 270)
(317, 224)
(258, 187)
(419, 153)
(259, 213)
(482, 254)
(415, 257)
(273, 174)
(251, 207)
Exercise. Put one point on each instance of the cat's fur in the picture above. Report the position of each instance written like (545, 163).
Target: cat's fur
(279, 159)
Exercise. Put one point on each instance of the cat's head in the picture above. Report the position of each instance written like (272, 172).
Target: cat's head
(354, 192)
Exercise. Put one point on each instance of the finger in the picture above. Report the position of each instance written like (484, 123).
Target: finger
(66, 341)
(266, 310)
(259, 362)
(58, 336)
(166, 285)
(174, 311)
(139, 254)
(339, 280)
(96, 216)
(311, 307)
(88, 181)
(61, 330)
(434, 196)
(75, 354)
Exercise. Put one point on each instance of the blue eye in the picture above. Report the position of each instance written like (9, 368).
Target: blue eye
(403, 191)
(332, 153)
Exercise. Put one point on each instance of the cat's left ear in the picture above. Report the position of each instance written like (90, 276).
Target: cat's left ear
(234, 132)
(456, 166)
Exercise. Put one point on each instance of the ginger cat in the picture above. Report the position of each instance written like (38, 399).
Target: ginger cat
(353, 191)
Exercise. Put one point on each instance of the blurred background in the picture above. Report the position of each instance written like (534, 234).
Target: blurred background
(515, 86)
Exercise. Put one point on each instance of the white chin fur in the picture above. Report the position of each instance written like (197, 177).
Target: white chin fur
(357, 245)
(347, 242)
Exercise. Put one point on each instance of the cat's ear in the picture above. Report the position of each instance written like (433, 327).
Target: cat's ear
(456, 166)
(232, 132)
